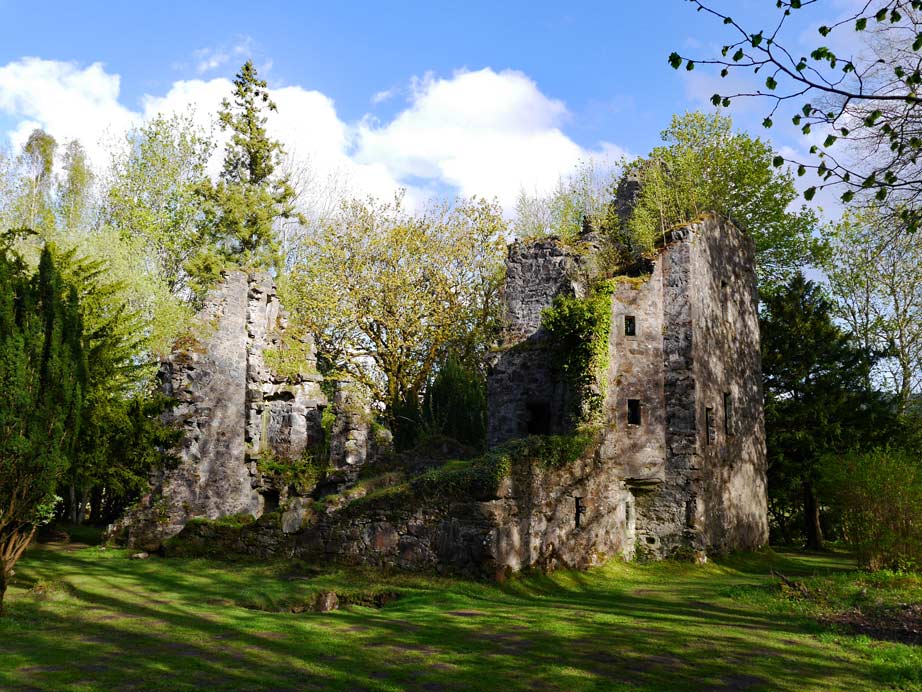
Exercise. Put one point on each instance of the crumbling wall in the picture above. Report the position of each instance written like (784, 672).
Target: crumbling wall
(526, 393)
(232, 408)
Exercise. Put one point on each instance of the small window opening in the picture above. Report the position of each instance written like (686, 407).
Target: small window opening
(728, 413)
(723, 298)
(651, 540)
(539, 418)
(580, 510)
(709, 425)
(630, 325)
(633, 411)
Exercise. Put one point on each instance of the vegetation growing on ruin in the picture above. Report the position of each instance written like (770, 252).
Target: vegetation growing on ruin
(301, 473)
(291, 357)
(579, 329)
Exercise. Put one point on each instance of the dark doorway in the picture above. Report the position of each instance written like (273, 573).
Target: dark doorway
(539, 417)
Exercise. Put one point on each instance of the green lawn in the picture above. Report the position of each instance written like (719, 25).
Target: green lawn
(88, 618)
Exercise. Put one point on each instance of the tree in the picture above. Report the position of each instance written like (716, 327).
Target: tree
(816, 401)
(868, 101)
(584, 194)
(242, 209)
(43, 374)
(38, 162)
(152, 198)
(706, 166)
(74, 192)
(389, 294)
(875, 279)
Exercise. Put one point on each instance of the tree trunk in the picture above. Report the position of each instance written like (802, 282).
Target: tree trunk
(812, 528)
(3, 580)
(81, 508)
(72, 495)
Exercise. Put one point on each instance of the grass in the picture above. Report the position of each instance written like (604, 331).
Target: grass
(90, 618)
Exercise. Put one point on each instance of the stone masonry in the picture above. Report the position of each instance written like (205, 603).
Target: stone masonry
(233, 408)
(682, 435)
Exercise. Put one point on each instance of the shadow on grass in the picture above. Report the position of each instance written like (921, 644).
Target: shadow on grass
(131, 625)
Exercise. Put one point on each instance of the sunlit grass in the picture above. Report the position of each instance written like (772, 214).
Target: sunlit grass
(93, 619)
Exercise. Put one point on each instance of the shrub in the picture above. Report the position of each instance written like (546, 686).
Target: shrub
(879, 496)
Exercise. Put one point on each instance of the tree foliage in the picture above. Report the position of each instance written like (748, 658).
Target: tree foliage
(816, 402)
(705, 166)
(152, 199)
(878, 495)
(865, 104)
(875, 281)
(389, 294)
(43, 379)
(242, 209)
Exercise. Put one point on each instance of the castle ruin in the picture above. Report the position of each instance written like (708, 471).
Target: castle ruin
(675, 466)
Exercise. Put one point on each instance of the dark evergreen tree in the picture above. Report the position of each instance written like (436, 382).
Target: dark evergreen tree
(817, 402)
(250, 198)
(43, 375)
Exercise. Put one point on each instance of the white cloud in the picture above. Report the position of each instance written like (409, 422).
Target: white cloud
(68, 101)
(486, 133)
(382, 96)
(208, 59)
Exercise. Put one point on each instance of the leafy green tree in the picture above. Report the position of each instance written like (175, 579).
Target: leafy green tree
(389, 294)
(582, 195)
(43, 375)
(250, 198)
(74, 193)
(865, 104)
(37, 160)
(816, 401)
(152, 198)
(875, 280)
(706, 166)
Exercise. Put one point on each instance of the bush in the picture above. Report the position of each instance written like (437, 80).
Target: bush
(879, 496)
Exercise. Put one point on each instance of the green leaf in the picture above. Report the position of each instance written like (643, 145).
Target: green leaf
(917, 44)
(727, 20)
(778, 161)
(806, 129)
(796, 120)
(881, 15)
(724, 72)
(848, 196)
(872, 118)
(755, 39)
(690, 65)
(801, 169)
(861, 24)
(809, 193)
(830, 140)
(738, 55)
(715, 99)
(771, 83)
(767, 122)
(824, 30)
(675, 60)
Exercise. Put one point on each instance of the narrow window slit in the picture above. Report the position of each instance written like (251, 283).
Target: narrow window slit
(633, 411)
(630, 325)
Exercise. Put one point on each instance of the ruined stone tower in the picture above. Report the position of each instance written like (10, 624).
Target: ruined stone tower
(682, 442)
(232, 408)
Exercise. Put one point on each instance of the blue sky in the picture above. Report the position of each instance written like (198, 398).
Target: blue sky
(381, 90)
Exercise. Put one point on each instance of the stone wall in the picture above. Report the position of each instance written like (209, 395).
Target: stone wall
(526, 392)
(232, 408)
